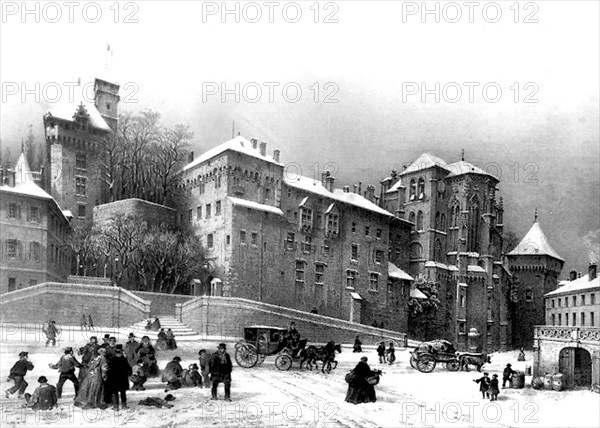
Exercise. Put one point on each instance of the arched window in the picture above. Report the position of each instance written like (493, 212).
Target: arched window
(411, 218)
(437, 220)
(421, 189)
(420, 220)
(416, 251)
(413, 190)
(473, 227)
(437, 250)
(443, 222)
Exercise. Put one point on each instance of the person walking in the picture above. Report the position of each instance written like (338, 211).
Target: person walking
(83, 323)
(91, 390)
(51, 332)
(204, 359)
(66, 367)
(357, 345)
(220, 371)
(507, 375)
(44, 397)
(391, 353)
(17, 374)
(381, 353)
(484, 385)
(494, 390)
(117, 378)
(360, 390)
(131, 349)
(90, 322)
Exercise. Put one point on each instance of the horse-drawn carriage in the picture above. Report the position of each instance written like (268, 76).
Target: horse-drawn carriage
(425, 356)
(261, 341)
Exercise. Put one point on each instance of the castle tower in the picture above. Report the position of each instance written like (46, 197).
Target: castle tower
(535, 267)
(75, 136)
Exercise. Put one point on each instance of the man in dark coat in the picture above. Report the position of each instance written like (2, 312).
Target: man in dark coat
(507, 375)
(220, 371)
(131, 349)
(494, 390)
(484, 385)
(111, 348)
(360, 390)
(44, 397)
(117, 378)
(51, 333)
(357, 345)
(17, 374)
(138, 376)
(88, 353)
(66, 367)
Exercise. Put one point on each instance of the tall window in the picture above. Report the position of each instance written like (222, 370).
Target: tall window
(80, 160)
(412, 190)
(437, 250)
(420, 220)
(378, 233)
(319, 273)
(199, 212)
(307, 217)
(80, 183)
(190, 215)
(208, 211)
(374, 281)
(553, 320)
(34, 251)
(421, 189)
(411, 218)
(574, 301)
(367, 230)
(218, 181)
(351, 278)
(13, 210)
(574, 318)
(474, 227)
(560, 319)
(436, 224)
(378, 256)
(443, 222)
(218, 208)
(354, 255)
(592, 322)
(299, 271)
(592, 299)
(34, 214)
(353, 227)
(583, 299)
(11, 248)
(254, 238)
(462, 297)
(529, 295)
(242, 236)
(81, 211)
(307, 244)
(210, 240)
(333, 223)
(582, 319)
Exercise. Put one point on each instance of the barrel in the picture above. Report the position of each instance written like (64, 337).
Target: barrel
(518, 380)
(548, 381)
(527, 370)
(557, 382)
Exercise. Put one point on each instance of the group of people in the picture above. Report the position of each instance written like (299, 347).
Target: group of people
(166, 340)
(386, 355)
(86, 323)
(490, 387)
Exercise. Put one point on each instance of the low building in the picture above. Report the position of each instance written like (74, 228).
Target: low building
(34, 232)
(569, 343)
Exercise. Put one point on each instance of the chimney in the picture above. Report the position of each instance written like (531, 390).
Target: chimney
(254, 142)
(370, 193)
(263, 148)
(329, 180)
(324, 176)
(573, 275)
(355, 188)
(377, 200)
(276, 154)
(359, 187)
(346, 189)
(592, 271)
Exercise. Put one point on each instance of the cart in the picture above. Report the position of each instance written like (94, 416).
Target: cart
(425, 356)
(261, 341)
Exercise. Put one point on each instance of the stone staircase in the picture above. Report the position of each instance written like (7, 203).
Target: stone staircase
(181, 331)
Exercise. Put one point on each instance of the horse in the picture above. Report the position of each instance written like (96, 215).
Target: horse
(325, 354)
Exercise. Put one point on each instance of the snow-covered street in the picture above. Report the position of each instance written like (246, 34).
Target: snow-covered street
(265, 396)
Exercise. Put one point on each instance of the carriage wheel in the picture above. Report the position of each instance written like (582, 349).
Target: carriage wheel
(425, 363)
(413, 361)
(261, 359)
(283, 362)
(453, 365)
(239, 343)
(246, 356)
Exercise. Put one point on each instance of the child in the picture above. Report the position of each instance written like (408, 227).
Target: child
(391, 352)
(484, 385)
(138, 376)
(204, 359)
(381, 353)
(357, 345)
(17, 374)
(44, 397)
(494, 390)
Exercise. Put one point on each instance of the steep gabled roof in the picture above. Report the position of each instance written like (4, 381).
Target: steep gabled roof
(68, 111)
(462, 167)
(238, 144)
(535, 243)
(425, 161)
(22, 171)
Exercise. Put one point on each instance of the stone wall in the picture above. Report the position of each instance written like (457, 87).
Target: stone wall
(65, 303)
(152, 213)
(161, 303)
(227, 317)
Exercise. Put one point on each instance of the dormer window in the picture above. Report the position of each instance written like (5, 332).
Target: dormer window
(306, 217)
(333, 224)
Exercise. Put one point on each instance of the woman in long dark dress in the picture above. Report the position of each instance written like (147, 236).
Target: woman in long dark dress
(360, 390)
(146, 353)
(161, 341)
(91, 391)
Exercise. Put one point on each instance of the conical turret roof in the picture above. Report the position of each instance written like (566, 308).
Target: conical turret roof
(535, 243)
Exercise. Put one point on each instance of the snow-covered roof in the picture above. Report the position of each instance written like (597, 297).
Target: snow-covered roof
(22, 172)
(535, 243)
(67, 213)
(255, 205)
(415, 293)
(316, 187)
(356, 296)
(395, 272)
(67, 111)
(475, 268)
(577, 285)
(238, 144)
(424, 161)
(462, 167)
(29, 188)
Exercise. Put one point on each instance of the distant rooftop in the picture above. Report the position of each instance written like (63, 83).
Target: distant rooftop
(579, 284)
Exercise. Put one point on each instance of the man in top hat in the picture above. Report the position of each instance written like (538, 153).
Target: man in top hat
(110, 349)
(66, 367)
(130, 349)
(44, 397)
(507, 375)
(17, 374)
(105, 340)
(220, 371)
(117, 378)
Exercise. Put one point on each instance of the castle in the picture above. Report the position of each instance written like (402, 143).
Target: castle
(294, 241)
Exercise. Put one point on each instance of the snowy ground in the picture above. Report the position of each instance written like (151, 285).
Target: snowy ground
(265, 396)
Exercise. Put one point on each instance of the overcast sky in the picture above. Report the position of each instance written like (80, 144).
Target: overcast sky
(372, 62)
